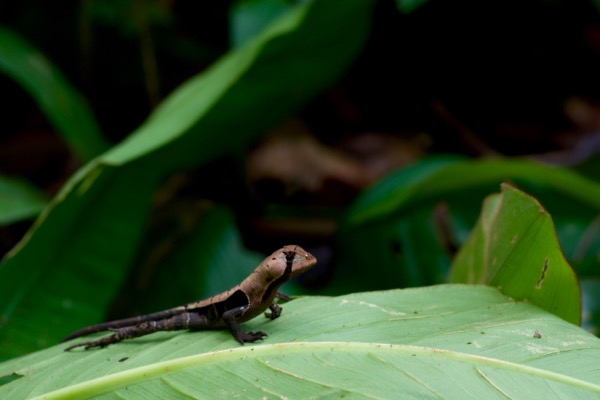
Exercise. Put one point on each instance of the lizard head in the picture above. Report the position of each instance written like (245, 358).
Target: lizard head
(297, 261)
(285, 264)
(280, 267)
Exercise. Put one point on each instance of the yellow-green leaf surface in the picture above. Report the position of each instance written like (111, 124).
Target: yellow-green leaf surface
(514, 247)
(449, 341)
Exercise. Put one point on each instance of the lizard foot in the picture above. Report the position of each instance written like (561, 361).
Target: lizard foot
(246, 337)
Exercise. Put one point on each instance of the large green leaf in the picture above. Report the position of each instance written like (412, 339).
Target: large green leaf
(19, 200)
(514, 247)
(452, 341)
(66, 271)
(63, 105)
(253, 88)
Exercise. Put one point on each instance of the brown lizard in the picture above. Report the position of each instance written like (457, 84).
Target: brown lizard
(225, 310)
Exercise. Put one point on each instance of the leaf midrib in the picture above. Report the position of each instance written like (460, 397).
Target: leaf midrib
(115, 381)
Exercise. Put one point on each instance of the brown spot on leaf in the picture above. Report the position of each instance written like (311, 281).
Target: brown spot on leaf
(540, 281)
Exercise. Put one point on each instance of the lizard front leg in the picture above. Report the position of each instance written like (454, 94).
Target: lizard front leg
(276, 308)
(239, 335)
(275, 311)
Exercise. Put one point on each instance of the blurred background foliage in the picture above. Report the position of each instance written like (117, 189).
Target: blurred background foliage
(171, 143)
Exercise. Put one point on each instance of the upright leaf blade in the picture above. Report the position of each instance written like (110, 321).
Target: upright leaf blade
(64, 106)
(514, 247)
(209, 259)
(19, 200)
(248, 17)
(65, 270)
(252, 88)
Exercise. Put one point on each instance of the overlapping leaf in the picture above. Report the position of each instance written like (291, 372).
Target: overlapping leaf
(514, 247)
(409, 224)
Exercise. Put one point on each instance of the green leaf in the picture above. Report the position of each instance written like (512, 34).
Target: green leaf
(249, 17)
(399, 252)
(203, 259)
(436, 176)
(66, 109)
(19, 200)
(450, 341)
(252, 88)
(67, 270)
(71, 262)
(409, 224)
(514, 247)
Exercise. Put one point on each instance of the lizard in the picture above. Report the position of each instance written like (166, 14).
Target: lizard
(226, 310)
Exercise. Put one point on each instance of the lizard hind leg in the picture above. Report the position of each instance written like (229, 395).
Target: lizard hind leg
(102, 342)
(120, 334)
(175, 323)
(239, 335)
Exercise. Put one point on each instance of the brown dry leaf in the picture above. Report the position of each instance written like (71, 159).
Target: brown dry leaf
(583, 113)
(381, 152)
(580, 143)
(293, 157)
